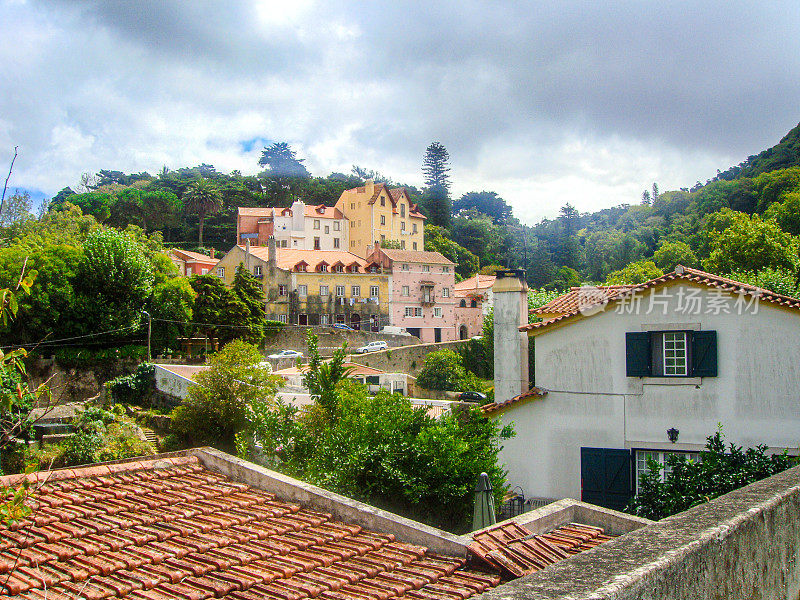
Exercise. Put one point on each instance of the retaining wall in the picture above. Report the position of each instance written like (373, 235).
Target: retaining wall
(406, 359)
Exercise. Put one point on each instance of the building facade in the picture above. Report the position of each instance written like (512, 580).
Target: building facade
(298, 227)
(314, 287)
(645, 372)
(420, 291)
(377, 214)
(192, 263)
(474, 301)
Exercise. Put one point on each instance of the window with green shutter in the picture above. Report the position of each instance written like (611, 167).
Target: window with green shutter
(671, 354)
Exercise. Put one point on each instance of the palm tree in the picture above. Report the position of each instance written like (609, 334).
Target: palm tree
(202, 198)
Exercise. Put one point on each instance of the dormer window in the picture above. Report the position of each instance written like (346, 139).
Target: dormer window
(383, 201)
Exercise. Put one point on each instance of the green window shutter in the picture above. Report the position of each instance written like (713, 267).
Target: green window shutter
(704, 354)
(637, 354)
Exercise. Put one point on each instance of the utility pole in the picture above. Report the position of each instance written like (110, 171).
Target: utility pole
(149, 330)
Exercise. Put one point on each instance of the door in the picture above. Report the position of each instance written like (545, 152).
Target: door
(437, 334)
(415, 331)
(355, 321)
(302, 319)
(606, 477)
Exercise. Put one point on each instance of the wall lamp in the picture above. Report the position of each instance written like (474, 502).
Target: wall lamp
(672, 434)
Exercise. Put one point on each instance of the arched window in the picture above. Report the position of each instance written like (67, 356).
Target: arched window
(462, 304)
(473, 304)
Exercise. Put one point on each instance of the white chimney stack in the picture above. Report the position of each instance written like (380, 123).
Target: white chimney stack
(510, 344)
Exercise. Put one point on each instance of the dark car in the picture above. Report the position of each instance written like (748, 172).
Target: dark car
(472, 397)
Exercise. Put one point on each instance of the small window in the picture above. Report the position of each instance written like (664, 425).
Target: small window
(404, 267)
(204, 271)
(418, 311)
(383, 201)
(284, 243)
(413, 228)
(316, 223)
(335, 242)
(675, 354)
(402, 244)
(383, 239)
(316, 243)
(402, 226)
(405, 291)
(340, 290)
(302, 290)
(355, 291)
(352, 206)
(220, 271)
(415, 245)
(445, 292)
(338, 269)
(473, 304)
(282, 318)
(323, 319)
(327, 228)
(323, 290)
(374, 291)
(409, 311)
(257, 270)
(336, 226)
(437, 311)
(445, 269)
(462, 304)
(282, 290)
(660, 458)
(671, 354)
(426, 268)
(402, 210)
(383, 219)
(322, 268)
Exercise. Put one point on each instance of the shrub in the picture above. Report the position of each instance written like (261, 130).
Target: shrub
(442, 371)
(135, 388)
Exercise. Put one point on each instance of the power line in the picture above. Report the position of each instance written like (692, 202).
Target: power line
(47, 342)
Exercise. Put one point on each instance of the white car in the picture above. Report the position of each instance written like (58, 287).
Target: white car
(286, 354)
(372, 347)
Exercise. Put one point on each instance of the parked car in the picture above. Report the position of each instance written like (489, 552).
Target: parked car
(342, 326)
(394, 330)
(479, 397)
(372, 347)
(286, 354)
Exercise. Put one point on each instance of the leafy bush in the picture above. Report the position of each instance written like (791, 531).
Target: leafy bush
(81, 358)
(442, 371)
(134, 388)
(382, 450)
(216, 408)
(690, 483)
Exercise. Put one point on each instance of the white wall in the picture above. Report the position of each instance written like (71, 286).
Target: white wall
(591, 403)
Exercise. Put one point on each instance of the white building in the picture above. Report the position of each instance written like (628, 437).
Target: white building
(298, 227)
(626, 373)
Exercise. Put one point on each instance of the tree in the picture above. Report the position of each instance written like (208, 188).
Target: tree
(436, 167)
(217, 307)
(637, 272)
(281, 161)
(114, 281)
(202, 198)
(780, 281)
(689, 483)
(322, 377)
(438, 239)
(216, 408)
(171, 308)
(488, 203)
(672, 254)
(435, 204)
(251, 295)
(16, 209)
(445, 370)
(748, 244)
(569, 250)
(787, 213)
(478, 233)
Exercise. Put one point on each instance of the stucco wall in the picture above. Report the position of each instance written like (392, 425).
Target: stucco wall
(591, 402)
(743, 545)
(407, 359)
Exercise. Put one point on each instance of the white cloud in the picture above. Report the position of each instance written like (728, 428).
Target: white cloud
(544, 104)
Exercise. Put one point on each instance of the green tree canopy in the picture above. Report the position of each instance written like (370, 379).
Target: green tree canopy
(438, 239)
(436, 167)
(250, 294)
(671, 254)
(488, 203)
(637, 272)
(202, 198)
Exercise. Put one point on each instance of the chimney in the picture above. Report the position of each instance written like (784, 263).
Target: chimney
(247, 253)
(510, 344)
(369, 187)
(272, 252)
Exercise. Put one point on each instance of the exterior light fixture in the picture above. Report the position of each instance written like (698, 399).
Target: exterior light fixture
(672, 434)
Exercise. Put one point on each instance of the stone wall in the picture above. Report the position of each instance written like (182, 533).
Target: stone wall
(330, 339)
(406, 359)
(745, 544)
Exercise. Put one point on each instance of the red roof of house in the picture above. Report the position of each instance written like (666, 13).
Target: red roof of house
(189, 256)
(681, 274)
(417, 256)
(578, 297)
(169, 529)
(516, 551)
(475, 284)
(288, 258)
(492, 407)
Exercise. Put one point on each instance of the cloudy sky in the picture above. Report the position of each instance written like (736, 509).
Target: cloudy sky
(544, 102)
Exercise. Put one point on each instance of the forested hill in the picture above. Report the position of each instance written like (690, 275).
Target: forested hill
(744, 223)
(784, 154)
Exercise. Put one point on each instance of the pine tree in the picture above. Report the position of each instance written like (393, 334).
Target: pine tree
(436, 166)
(248, 291)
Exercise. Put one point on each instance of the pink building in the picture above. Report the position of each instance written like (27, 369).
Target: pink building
(421, 294)
(473, 302)
(192, 263)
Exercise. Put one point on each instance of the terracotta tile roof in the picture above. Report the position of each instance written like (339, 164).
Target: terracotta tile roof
(578, 297)
(331, 212)
(168, 529)
(681, 274)
(492, 407)
(257, 211)
(476, 283)
(516, 551)
(417, 256)
(188, 255)
(287, 258)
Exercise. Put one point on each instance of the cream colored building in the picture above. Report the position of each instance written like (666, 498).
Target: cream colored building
(299, 227)
(377, 214)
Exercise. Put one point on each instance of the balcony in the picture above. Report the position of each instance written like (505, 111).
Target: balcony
(428, 298)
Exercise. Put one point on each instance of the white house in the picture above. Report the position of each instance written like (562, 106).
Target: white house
(629, 372)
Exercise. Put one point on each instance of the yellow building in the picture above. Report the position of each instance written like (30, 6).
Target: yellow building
(314, 287)
(378, 214)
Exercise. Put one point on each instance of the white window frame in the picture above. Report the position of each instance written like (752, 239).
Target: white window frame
(426, 268)
(316, 223)
(374, 291)
(409, 311)
(405, 291)
(323, 290)
(405, 267)
(675, 353)
(337, 226)
(323, 319)
(283, 290)
(282, 318)
(355, 291)
(221, 272)
(445, 292)
(340, 290)
(418, 311)
(327, 229)
(302, 290)
(257, 270)
(660, 456)
(335, 242)
(437, 311)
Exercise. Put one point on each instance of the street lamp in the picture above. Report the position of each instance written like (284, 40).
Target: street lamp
(149, 329)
